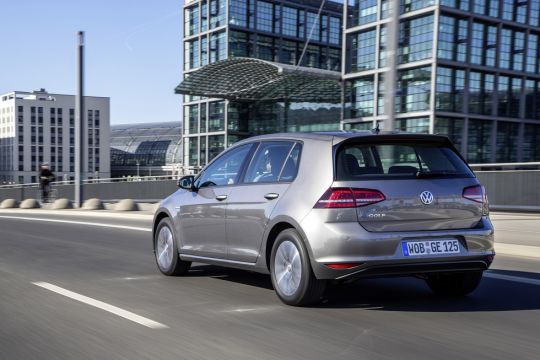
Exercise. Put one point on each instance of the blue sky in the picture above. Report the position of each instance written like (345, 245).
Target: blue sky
(133, 52)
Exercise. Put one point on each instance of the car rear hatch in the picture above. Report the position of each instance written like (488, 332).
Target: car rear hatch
(408, 183)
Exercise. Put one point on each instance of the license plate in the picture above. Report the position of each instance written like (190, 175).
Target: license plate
(430, 247)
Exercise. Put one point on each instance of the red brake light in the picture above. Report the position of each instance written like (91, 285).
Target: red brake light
(341, 266)
(348, 198)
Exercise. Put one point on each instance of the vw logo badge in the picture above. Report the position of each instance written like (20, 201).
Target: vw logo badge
(426, 197)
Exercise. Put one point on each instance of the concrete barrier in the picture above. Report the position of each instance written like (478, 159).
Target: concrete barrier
(62, 204)
(126, 205)
(93, 204)
(9, 204)
(29, 204)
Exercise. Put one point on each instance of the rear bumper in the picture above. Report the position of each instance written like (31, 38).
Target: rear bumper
(420, 268)
(380, 254)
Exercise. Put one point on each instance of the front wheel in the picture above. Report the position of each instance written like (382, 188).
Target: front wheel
(292, 276)
(166, 251)
(454, 284)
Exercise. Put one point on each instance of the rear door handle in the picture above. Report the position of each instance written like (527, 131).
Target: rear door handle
(221, 197)
(271, 196)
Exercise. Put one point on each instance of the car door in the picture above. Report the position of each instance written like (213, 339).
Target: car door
(201, 217)
(251, 202)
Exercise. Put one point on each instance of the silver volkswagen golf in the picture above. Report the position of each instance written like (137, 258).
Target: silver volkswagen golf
(309, 208)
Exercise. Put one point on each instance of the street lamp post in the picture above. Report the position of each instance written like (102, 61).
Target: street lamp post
(79, 123)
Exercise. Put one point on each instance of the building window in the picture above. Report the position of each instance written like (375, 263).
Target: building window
(531, 143)
(532, 99)
(361, 97)
(363, 51)
(216, 144)
(266, 49)
(479, 141)
(453, 34)
(191, 21)
(450, 89)
(451, 127)
(418, 125)
(534, 13)
(413, 90)
(289, 52)
(192, 123)
(367, 125)
(334, 36)
(412, 5)
(217, 13)
(481, 89)
(416, 39)
(240, 44)
(532, 53)
(313, 26)
(216, 116)
(238, 13)
(264, 16)
(290, 21)
(191, 58)
(204, 15)
(217, 47)
(509, 94)
(507, 141)
(193, 150)
(362, 12)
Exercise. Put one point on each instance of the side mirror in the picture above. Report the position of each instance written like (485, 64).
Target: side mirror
(187, 182)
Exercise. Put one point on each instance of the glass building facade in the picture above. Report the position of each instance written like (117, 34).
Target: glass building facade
(466, 69)
(272, 30)
(146, 149)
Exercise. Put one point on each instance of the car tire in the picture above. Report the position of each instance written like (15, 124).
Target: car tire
(166, 250)
(454, 284)
(291, 273)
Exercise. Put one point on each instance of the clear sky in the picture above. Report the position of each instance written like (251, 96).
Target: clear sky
(133, 52)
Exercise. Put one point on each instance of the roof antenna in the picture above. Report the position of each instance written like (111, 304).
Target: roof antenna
(376, 129)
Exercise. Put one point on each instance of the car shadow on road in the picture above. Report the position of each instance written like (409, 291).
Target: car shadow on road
(404, 293)
(234, 275)
(411, 294)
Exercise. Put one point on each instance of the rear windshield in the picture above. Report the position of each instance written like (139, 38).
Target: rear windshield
(398, 161)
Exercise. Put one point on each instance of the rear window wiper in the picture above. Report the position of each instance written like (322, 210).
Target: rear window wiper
(429, 174)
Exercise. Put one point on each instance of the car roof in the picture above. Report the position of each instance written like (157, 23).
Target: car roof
(338, 136)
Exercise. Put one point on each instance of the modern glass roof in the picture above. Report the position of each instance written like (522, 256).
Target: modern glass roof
(248, 79)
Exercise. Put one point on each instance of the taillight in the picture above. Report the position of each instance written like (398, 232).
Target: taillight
(477, 193)
(474, 193)
(348, 198)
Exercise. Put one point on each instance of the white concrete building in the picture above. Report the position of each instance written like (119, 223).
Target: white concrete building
(38, 127)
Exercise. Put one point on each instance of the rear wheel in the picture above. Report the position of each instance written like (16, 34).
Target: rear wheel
(166, 251)
(454, 284)
(292, 276)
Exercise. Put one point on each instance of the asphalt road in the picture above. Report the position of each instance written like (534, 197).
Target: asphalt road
(218, 313)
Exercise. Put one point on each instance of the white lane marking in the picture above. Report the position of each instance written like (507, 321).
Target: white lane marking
(136, 228)
(103, 306)
(517, 250)
(512, 278)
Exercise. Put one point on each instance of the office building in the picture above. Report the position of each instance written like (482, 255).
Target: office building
(39, 127)
(271, 30)
(149, 149)
(466, 69)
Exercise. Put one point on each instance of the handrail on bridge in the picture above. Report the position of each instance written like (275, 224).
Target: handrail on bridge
(185, 171)
(193, 170)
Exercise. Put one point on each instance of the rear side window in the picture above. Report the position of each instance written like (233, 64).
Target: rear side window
(398, 161)
(273, 161)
